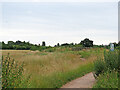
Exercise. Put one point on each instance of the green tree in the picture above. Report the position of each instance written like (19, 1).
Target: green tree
(43, 43)
(10, 43)
(87, 43)
(58, 44)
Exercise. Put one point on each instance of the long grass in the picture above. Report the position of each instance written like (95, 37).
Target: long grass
(109, 62)
(107, 69)
(107, 80)
(54, 69)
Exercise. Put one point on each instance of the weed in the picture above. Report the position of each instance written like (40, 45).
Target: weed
(107, 80)
(12, 73)
(109, 62)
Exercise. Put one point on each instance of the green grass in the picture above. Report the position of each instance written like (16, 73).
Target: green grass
(90, 52)
(85, 54)
(107, 80)
(12, 74)
(106, 70)
(109, 62)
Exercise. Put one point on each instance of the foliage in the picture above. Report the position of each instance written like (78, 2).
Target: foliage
(19, 45)
(34, 48)
(106, 70)
(87, 43)
(107, 80)
(43, 43)
(109, 62)
(65, 44)
(50, 49)
(85, 54)
(99, 67)
(12, 74)
(58, 44)
(118, 47)
(52, 70)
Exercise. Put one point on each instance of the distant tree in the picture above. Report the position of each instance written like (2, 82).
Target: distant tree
(3, 43)
(65, 44)
(58, 44)
(115, 44)
(87, 43)
(18, 42)
(24, 42)
(43, 43)
(35, 44)
(75, 43)
(4, 46)
(119, 43)
(71, 43)
(10, 43)
(28, 43)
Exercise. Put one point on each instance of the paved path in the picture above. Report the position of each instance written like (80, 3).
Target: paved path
(85, 81)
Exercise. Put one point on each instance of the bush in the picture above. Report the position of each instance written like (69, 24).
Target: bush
(99, 67)
(109, 62)
(33, 48)
(42, 48)
(12, 74)
(118, 47)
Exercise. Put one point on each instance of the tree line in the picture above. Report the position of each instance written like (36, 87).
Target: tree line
(19, 45)
(22, 45)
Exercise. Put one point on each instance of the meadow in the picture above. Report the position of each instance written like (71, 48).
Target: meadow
(54, 68)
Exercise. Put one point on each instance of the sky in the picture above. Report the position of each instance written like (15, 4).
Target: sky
(59, 22)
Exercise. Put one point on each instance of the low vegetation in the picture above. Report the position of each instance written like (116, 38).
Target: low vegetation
(107, 80)
(12, 74)
(106, 70)
(54, 69)
(51, 67)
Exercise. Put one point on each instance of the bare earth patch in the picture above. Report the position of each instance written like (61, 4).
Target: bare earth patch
(86, 81)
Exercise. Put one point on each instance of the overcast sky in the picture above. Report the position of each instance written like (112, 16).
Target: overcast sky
(60, 22)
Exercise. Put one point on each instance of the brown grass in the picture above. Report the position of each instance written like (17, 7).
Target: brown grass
(46, 63)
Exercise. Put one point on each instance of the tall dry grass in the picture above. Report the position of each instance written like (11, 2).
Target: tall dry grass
(44, 67)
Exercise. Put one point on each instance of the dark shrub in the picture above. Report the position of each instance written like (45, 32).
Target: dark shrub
(108, 63)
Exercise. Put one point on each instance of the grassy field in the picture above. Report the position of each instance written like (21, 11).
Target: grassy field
(54, 69)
